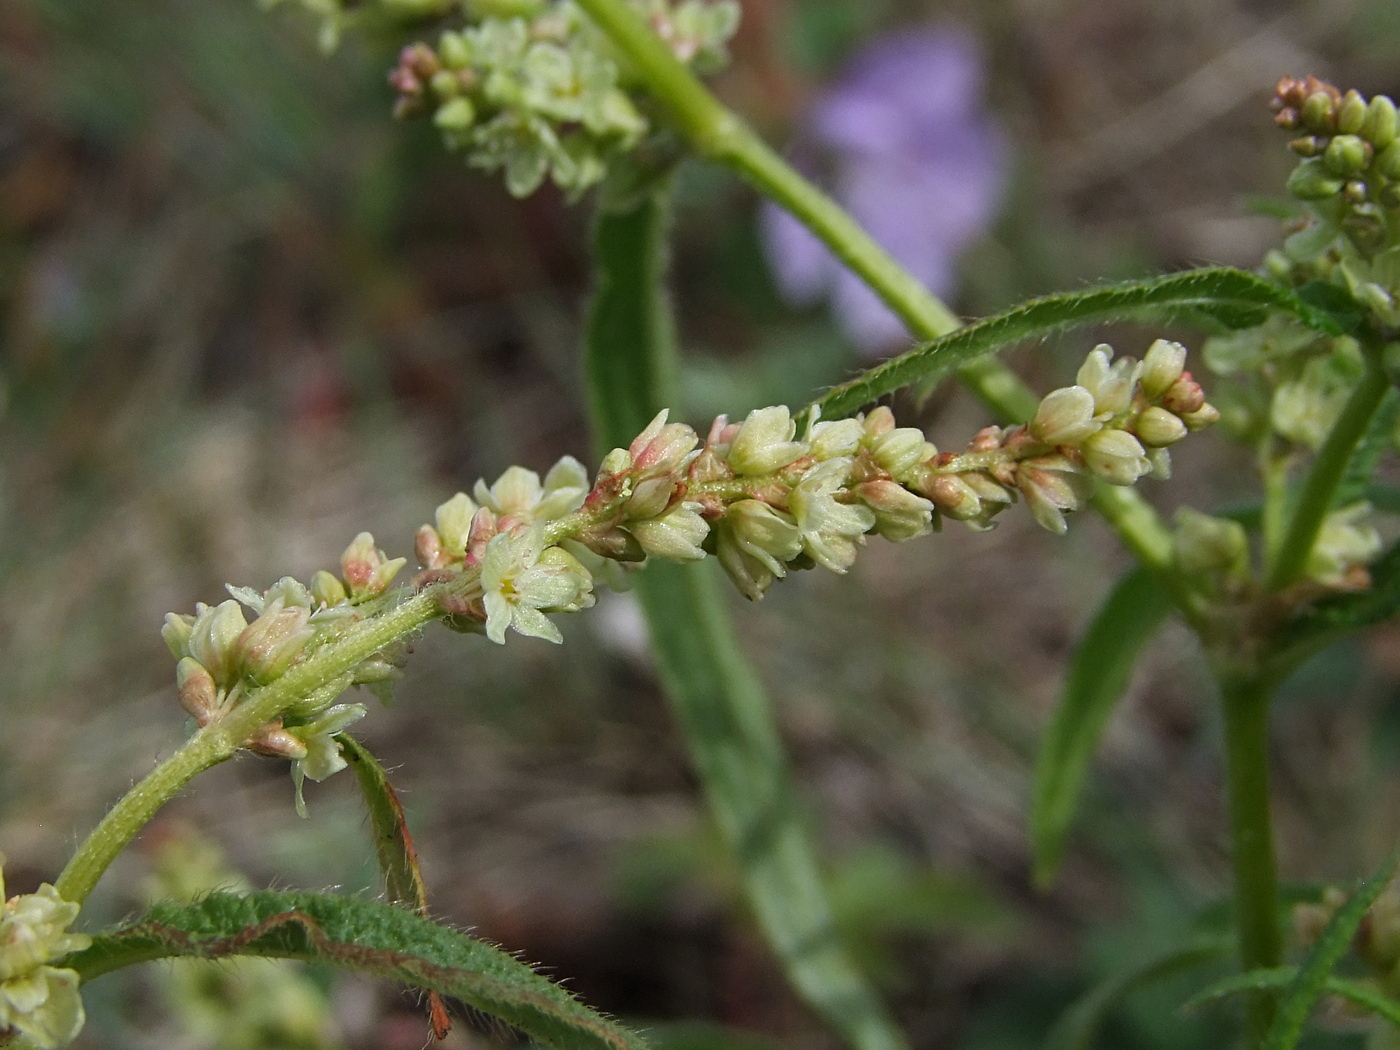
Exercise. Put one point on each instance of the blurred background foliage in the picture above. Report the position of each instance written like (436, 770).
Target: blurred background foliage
(245, 315)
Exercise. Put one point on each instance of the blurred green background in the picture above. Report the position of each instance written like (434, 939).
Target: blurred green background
(245, 315)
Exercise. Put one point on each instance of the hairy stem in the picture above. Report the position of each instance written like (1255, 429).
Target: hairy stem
(1328, 469)
(720, 135)
(1246, 695)
(219, 740)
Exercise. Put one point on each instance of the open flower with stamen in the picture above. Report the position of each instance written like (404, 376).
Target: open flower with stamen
(831, 532)
(37, 1000)
(516, 585)
(518, 492)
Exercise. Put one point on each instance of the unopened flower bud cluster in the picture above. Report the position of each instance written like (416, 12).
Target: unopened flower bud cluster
(1350, 179)
(531, 88)
(755, 494)
(222, 655)
(38, 1000)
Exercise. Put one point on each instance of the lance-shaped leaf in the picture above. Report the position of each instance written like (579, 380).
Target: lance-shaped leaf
(1219, 291)
(369, 937)
(718, 698)
(1310, 982)
(1098, 675)
(393, 847)
(1363, 995)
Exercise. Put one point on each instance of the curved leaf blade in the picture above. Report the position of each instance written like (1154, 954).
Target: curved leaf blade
(1098, 675)
(719, 700)
(1362, 995)
(1222, 291)
(366, 936)
(1310, 982)
(1077, 1028)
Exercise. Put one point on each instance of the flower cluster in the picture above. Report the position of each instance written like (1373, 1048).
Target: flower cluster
(534, 90)
(1350, 180)
(755, 494)
(221, 656)
(37, 1000)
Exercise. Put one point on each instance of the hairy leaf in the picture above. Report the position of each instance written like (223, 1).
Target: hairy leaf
(719, 700)
(1363, 995)
(366, 936)
(1378, 440)
(393, 846)
(1221, 291)
(1098, 674)
(1076, 1029)
(1310, 982)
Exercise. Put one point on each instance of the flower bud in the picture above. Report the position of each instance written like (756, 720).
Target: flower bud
(1319, 112)
(650, 498)
(1116, 456)
(879, 420)
(1351, 114)
(613, 543)
(1183, 396)
(662, 447)
(197, 691)
(1157, 428)
(1161, 367)
(899, 514)
(1381, 122)
(212, 638)
(454, 522)
(1159, 462)
(764, 533)
(456, 115)
(1343, 543)
(837, 437)
(1313, 181)
(1051, 486)
(1388, 163)
(900, 450)
(1111, 385)
(1347, 155)
(953, 497)
(367, 571)
(327, 589)
(1210, 548)
(764, 443)
(269, 644)
(1205, 416)
(1065, 417)
(675, 536)
(176, 633)
(617, 461)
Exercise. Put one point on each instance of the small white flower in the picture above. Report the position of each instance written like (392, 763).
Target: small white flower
(516, 585)
(1065, 417)
(831, 531)
(39, 1001)
(323, 757)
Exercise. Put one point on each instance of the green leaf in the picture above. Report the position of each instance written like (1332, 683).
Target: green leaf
(1362, 995)
(1229, 295)
(718, 698)
(393, 846)
(1310, 982)
(1377, 441)
(365, 936)
(1076, 1029)
(1098, 674)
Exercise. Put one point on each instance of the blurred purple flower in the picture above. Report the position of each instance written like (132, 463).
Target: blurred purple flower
(913, 158)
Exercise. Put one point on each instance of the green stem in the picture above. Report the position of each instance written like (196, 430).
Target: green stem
(720, 135)
(1328, 469)
(1246, 697)
(219, 740)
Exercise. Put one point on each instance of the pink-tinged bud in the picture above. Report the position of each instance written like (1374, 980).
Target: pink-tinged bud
(899, 514)
(1184, 396)
(613, 543)
(675, 536)
(1116, 456)
(199, 696)
(428, 549)
(1157, 428)
(1161, 367)
(878, 421)
(212, 637)
(1065, 417)
(988, 490)
(953, 497)
(269, 645)
(483, 527)
(764, 443)
(275, 742)
(662, 447)
(986, 439)
(366, 569)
